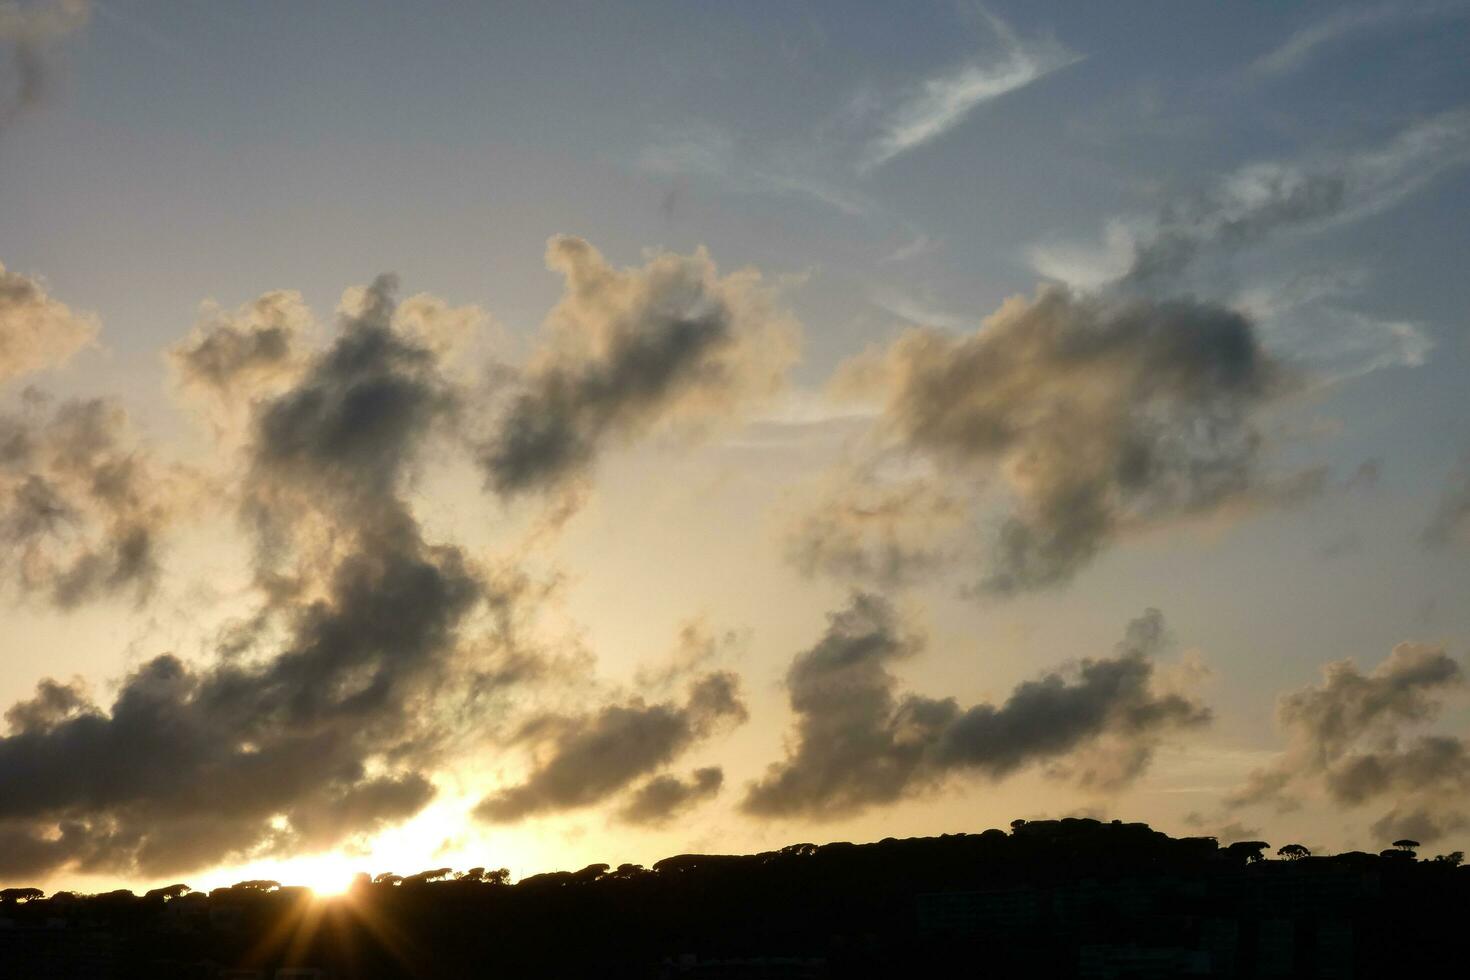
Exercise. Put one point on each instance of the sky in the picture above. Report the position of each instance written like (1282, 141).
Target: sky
(528, 435)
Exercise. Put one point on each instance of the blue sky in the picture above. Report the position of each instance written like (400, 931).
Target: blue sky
(892, 171)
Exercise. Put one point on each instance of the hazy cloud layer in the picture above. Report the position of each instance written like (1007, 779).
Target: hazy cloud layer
(1100, 416)
(584, 759)
(671, 345)
(84, 507)
(1346, 739)
(859, 742)
(887, 534)
(36, 330)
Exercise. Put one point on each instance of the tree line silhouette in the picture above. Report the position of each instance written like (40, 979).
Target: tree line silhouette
(1071, 897)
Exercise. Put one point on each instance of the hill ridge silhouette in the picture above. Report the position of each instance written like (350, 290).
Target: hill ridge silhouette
(1069, 897)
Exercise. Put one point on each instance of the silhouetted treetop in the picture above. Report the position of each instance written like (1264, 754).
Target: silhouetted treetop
(10, 896)
(1026, 903)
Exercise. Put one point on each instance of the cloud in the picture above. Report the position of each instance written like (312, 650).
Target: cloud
(858, 742)
(1420, 823)
(338, 450)
(664, 797)
(1258, 202)
(919, 245)
(1103, 416)
(863, 530)
(1303, 319)
(587, 758)
(1339, 26)
(945, 100)
(697, 650)
(1345, 739)
(709, 152)
(27, 33)
(83, 505)
(53, 702)
(672, 345)
(1450, 522)
(1262, 199)
(37, 331)
(235, 358)
(1180, 249)
(320, 716)
(827, 161)
(916, 310)
(373, 654)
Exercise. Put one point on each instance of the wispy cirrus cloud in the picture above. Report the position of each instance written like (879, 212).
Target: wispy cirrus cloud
(1305, 43)
(1258, 202)
(826, 162)
(944, 100)
(709, 152)
(1179, 249)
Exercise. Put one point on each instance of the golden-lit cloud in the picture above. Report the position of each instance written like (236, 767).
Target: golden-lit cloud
(1099, 416)
(671, 346)
(36, 330)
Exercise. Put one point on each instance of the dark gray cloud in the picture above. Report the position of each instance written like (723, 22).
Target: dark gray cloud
(83, 505)
(53, 702)
(1421, 823)
(1346, 739)
(1350, 704)
(1426, 761)
(339, 448)
(859, 742)
(28, 35)
(584, 759)
(1109, 717)
(631, 350)
(322, 715)
(36, 330)
(1102, 417)
(664, 797)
